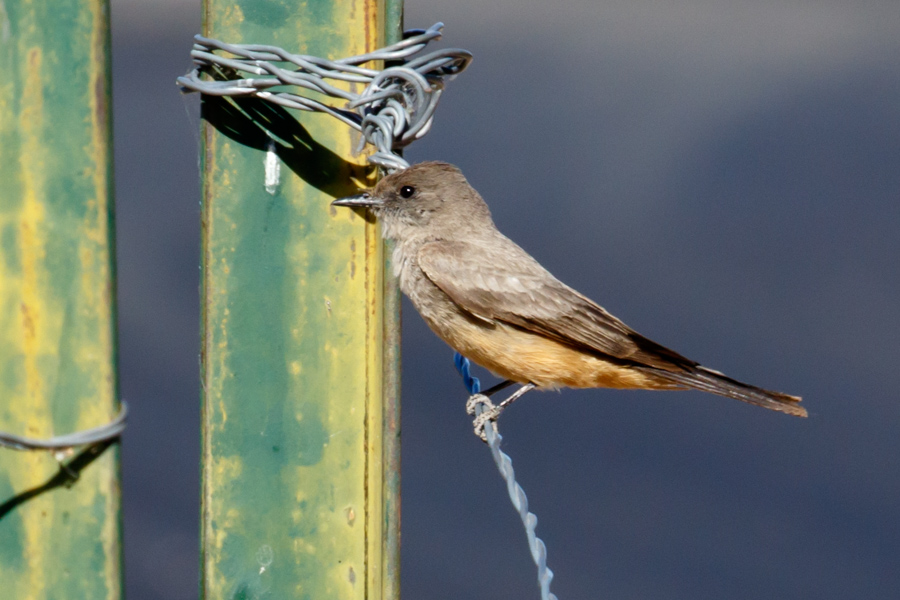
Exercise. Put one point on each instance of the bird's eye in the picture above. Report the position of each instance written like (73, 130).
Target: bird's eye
(407, 191)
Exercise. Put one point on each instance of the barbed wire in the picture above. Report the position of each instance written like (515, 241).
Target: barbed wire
(95, 435)
(395, 108)
(504, 465)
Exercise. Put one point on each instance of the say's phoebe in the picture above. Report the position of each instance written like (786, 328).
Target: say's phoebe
(497, 306)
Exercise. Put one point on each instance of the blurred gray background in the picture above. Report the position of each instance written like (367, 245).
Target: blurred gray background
(723, 175)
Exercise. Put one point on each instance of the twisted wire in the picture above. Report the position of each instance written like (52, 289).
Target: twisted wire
(395, 108)
(94, 435)
(516, 493)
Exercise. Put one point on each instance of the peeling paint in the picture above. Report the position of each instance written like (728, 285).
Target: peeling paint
(352, 259)
(264, 557)
(272, 168)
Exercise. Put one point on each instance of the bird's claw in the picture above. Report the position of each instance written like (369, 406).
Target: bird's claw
(489, 413)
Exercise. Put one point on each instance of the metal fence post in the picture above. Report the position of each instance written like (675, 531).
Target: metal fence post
(59, 538)
(300, 489)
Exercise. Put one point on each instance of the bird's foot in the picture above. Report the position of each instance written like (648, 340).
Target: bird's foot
(489, 413)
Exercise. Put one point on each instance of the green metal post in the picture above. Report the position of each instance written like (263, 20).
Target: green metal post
(58, 539)
(300, 487)
(393, 30)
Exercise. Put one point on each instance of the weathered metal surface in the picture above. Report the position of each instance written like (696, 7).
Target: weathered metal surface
(294, 502)
(58, 539)
(391, 364)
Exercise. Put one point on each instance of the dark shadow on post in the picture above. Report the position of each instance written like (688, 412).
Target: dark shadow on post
(67, 476)
(261, 125)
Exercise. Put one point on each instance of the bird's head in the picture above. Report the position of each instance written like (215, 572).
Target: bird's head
(431, 199)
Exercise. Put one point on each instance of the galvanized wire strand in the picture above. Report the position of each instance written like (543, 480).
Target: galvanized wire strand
(504, 465)
(94, 435)
(395, 108)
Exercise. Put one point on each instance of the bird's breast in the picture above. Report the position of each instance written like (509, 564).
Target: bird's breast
(412, 280)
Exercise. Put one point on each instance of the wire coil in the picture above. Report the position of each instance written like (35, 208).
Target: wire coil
(395, 108)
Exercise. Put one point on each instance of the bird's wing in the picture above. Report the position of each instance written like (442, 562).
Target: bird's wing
(498, 280)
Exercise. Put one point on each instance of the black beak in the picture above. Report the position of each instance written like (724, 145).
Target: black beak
(365, 199)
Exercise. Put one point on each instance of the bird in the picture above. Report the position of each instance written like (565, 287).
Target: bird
(495, 304)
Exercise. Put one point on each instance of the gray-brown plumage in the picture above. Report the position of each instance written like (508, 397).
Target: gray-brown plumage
(496, 305)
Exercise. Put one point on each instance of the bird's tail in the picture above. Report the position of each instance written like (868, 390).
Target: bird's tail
(706, 380)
